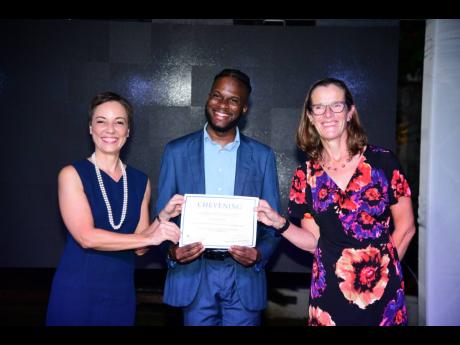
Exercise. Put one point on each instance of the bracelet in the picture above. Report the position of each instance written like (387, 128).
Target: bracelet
(285, 226)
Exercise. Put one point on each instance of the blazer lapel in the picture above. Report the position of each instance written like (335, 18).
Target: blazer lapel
(243, 164)
(196, 161)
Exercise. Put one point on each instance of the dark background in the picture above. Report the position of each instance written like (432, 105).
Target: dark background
(50, 70)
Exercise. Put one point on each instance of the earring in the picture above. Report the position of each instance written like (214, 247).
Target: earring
(90, 131)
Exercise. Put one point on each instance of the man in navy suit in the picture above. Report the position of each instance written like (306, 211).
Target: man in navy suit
(220, 287)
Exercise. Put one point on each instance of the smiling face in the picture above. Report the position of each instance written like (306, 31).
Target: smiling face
(109, 127)
(227, 102)
(330, 125)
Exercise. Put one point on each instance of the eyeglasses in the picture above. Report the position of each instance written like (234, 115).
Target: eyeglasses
(320, 109)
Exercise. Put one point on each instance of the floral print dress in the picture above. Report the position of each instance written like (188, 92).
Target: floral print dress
(356, 274)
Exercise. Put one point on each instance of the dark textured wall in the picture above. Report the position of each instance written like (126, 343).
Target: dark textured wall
(49, 71)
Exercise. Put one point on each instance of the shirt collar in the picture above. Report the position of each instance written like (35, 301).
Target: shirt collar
(230, 145)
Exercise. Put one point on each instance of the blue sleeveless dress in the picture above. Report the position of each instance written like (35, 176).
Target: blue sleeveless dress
(92, 287)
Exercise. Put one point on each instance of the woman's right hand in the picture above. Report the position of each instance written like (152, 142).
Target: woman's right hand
(267, 215)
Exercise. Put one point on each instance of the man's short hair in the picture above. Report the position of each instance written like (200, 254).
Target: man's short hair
(236, 74)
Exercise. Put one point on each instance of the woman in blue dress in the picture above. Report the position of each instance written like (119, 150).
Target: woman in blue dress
(355, 213)
(105, 207)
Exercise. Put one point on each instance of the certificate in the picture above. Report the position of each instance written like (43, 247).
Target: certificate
(219, 221)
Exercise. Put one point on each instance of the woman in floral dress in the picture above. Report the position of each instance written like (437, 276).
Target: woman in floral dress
(355, 212)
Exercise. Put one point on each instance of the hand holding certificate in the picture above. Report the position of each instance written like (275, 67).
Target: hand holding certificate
(219, 221)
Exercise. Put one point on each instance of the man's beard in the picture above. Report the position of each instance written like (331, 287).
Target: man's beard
(225, 129)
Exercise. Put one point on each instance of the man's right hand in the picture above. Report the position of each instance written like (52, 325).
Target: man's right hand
(186, 253)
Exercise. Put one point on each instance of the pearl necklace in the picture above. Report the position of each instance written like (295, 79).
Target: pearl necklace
(104, 193)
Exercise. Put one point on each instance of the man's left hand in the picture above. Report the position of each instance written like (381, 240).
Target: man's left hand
(247, 256)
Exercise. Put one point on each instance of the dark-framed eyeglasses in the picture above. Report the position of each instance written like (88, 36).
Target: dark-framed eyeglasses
(320, 109)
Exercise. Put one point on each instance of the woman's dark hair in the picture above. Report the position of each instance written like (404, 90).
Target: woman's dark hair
(308, 139)
(236, 74)
(109, 96)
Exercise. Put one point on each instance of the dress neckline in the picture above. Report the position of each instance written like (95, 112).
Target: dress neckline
(362, 158)
(110, 177)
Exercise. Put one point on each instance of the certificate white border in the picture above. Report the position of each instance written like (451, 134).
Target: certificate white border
(225, 197)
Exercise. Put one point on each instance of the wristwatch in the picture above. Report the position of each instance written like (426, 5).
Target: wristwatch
(285, 226)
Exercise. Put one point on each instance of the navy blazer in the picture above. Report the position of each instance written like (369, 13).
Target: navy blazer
(182, 172)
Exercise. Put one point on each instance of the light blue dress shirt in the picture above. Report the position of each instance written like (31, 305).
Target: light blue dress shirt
(220, 165)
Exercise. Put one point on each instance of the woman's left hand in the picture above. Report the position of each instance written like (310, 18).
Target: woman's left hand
(173, 208)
